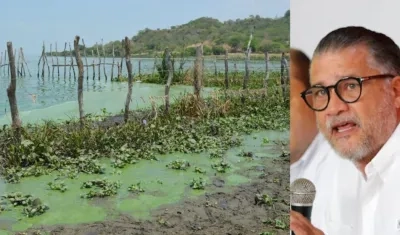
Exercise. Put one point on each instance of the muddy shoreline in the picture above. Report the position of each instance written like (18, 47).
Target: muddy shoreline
(233, 212)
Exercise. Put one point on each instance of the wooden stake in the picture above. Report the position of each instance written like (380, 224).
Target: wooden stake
(84, 53)
(16, 121)
(104, 60)
(265, 83)
(130, 79)
(170, 77)
(113, 61)
(226, 70)
(58, 68)
(140, 68)
(72, 63)
(19, 74)
(198, 69)
(45, 59)
(65, 60)
(52, 60)
(98, 56)
(94, 69)
(80, 80)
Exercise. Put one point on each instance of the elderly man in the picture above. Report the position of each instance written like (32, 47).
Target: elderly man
(355, 95)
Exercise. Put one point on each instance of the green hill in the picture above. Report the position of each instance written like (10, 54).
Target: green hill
(269, 34)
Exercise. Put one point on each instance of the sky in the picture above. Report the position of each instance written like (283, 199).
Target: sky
(28, 23)
(311, 20)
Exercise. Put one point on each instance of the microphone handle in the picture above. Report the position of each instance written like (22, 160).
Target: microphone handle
(304, 210)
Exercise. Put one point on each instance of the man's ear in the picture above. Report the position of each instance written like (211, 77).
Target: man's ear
(396, 90)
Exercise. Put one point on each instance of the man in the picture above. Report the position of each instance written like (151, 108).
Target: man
(355, 94)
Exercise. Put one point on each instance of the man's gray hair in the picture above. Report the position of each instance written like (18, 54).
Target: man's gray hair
(384, 51)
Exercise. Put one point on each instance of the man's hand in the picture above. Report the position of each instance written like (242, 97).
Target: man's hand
(301, 225)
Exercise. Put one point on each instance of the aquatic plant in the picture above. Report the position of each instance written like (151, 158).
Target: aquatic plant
(221, 166)
(192, 126)
(135, 188)
(197, 183)
(179, 164)
(104, 188)
(58, 186)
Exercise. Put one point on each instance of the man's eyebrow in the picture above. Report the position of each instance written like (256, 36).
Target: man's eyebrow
(316, 84)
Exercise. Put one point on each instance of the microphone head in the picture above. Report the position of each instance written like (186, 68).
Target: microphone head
(302, 192)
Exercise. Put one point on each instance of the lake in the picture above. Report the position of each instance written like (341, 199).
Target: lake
(56, 98)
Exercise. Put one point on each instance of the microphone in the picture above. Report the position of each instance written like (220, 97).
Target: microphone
(302, 195)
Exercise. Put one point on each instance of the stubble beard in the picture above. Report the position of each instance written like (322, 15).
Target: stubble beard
(374, 132)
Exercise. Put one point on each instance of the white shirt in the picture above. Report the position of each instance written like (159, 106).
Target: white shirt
(346, 202)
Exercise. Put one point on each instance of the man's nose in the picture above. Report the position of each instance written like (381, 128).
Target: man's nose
(336, 105)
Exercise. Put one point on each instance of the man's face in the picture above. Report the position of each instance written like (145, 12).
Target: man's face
(357, 130)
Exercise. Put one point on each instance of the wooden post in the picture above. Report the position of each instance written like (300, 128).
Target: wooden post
(94, 66)
(19, 74)
(122, 59)
(8, 69)
(98, 56)
(58, 67)
(154, 66)
(16, 122)
(215, 67)
(87, 65)
(72, 62)
(198, 71)
(40, 59)
(45, 59)
(22, 62)
(246, 65)
(139, 65)
(265, 84)
(226, 70)
(80, 80)
(104, 60)
(65, 60)
(170, 77)
(52, 60)
(130, 79)
(113, 61)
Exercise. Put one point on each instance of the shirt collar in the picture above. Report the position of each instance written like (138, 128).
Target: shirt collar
(381, 163)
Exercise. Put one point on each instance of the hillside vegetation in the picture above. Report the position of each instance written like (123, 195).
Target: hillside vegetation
(269, 34)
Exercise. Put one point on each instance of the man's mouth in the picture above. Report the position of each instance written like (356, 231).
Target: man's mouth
(343, 127)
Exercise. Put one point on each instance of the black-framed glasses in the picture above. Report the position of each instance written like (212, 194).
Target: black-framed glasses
(348, 89)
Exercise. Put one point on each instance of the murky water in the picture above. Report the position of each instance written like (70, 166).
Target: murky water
(56, 97)
(69, 208)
